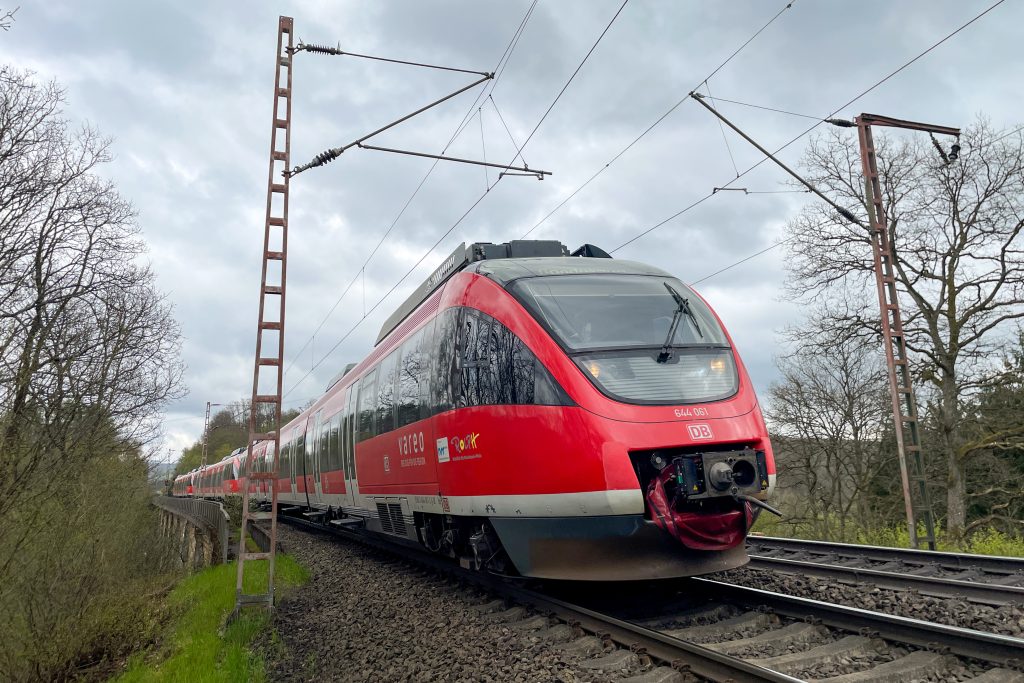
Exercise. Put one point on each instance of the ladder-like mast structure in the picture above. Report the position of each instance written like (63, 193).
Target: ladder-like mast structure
(266, 386)
(916, 497)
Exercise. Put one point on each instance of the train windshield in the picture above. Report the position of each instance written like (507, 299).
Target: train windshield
(639, 338)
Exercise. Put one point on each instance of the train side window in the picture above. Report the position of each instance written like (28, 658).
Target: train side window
(367, 405)
(323, 454)
(386, 394)
(412, 376)
(334, 460)
(445, 375)
(423, 377)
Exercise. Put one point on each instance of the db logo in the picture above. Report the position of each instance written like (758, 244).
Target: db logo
(700, 432)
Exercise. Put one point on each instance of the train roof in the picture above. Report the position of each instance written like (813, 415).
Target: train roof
(530, 257)
(505, 272)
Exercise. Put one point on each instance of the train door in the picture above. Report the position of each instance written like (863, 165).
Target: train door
(348, 458)
(321, 430)
(309, 457)
(293, 455)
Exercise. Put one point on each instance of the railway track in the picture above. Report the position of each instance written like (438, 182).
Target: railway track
(977, 578)
(659, 632)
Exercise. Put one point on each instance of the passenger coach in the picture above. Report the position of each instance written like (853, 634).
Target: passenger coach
(532, 412)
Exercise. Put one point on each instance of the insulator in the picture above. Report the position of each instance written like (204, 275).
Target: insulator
(322, 49)
(326, 157)
(847, 215)
(842, 123)
(954, 151)
(938, 148)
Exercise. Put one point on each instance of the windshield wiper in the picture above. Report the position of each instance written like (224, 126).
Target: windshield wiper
(682, 306)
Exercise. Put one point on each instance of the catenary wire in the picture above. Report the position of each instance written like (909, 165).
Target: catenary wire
(790, 239)
(503, 61)
(470, 209)
(572, 77)
(758, 106)
(653, 125)
(721, 127)
(811, 128)
(518, 147)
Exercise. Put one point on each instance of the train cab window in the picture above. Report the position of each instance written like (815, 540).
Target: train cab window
(367, 406)
(495, 367)
(470, 332)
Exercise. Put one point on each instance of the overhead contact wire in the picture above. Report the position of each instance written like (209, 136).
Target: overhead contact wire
(506, 55)
(810, 129)
(470, 209)
(655, 124)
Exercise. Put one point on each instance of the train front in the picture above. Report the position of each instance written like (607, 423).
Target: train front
(668, 424)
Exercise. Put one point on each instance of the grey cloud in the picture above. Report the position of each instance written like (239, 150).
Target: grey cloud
(186, 92)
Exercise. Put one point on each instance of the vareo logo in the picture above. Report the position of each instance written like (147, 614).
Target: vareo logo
(700, 432)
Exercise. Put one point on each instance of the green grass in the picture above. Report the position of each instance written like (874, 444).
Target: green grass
(199, 647)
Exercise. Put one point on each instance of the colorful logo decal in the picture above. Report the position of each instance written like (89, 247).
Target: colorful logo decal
(442, 449)
(700, 432)
(465, 443)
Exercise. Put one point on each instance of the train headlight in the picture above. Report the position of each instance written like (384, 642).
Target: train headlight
(593, 368)
(717, 365)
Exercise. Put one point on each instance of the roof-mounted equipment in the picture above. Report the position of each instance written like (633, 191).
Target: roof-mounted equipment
(590, 251)
(459, 259)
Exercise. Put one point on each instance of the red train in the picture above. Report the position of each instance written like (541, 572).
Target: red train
(534, 412)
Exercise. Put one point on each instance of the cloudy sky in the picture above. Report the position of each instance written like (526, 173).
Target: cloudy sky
(186, 91)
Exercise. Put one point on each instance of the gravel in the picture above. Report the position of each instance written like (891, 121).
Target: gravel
(1005, 620)
(363, 616)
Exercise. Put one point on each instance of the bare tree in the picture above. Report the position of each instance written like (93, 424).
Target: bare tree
(7, 18)
(829, 426)
(89, 354)
(88, 347)
(956, 234)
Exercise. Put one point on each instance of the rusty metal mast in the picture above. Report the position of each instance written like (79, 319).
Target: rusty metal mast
(206, 432)
(917, 500)
(270, 355)
(916, 497)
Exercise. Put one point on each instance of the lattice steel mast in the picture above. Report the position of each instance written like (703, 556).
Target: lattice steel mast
(268, 353)
(916, 497)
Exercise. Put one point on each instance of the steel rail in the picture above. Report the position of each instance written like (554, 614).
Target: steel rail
(936, 586)
(989, 647)
(678, 654)
(946, 560)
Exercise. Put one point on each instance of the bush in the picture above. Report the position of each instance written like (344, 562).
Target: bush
(80, 592)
